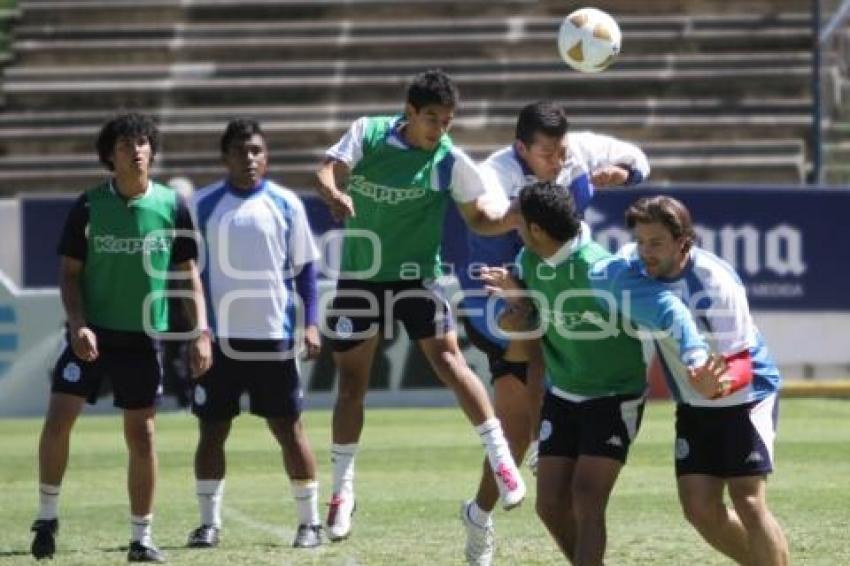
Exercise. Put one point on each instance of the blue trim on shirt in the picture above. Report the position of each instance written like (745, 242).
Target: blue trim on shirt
(675, 392)
(526, 170)
(286, 209)
(245, 193)
(444, 172)
(582, 190)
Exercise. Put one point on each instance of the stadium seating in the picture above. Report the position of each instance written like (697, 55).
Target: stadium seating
(714, 91)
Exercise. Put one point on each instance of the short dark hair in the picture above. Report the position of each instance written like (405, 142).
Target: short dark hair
(547, 118)
(432, 87)
(664, 210)
(552, 207)
(240, 129)
(130, 125)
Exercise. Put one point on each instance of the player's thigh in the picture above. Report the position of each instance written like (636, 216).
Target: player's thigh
(74, 377)
(700, 491)
(554, 485)
(356, 314)
(355, 366)
(423, 308)
(274, 390)
(593, 480)
(62, 411)
(609, 425)
(136, 375)
(216, 394)
(512, 405)
(444, 355)
(748, 493)
(559, 432)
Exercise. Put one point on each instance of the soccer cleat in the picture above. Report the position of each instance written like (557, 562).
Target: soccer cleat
(480, 542)
(341, 508)
(511, 485)
(308, 536)
(205, 536)
(144, 553)
(44, 542)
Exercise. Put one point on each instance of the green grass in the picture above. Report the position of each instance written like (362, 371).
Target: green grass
(414, 469)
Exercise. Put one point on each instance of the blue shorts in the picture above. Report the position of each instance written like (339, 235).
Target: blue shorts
(272, 383)
(130, 361)
(360, 309)
(726, 442)
(603, 426)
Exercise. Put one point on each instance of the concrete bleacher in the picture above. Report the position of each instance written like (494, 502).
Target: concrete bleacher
(714, 91)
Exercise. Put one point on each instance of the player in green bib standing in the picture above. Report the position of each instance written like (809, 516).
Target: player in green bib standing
(117, 245)
(391, 178)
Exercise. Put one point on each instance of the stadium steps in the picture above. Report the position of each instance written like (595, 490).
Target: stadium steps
(784, 74)
(9, 15)
(478, 121)
(66, 12)
(756, 161)
(41, 44)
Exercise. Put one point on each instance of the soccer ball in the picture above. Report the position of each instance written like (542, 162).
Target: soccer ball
(589, 40)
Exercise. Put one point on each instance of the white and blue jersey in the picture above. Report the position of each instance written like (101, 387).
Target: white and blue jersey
(256, 242)
(505, 169)
(718, 302)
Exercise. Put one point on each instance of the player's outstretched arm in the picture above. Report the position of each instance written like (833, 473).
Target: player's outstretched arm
(489, 216)
(329, 178)
(649, 304)
(613, 162)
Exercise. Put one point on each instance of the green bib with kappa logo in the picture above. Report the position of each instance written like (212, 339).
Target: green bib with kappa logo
(398, 227)
(585, 351)
(127, 258)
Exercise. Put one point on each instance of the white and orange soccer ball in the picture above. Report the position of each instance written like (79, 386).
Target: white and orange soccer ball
(589, 40)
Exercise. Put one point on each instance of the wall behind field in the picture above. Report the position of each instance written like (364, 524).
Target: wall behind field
(786, 244)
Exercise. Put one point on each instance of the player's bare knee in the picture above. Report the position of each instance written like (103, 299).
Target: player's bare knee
(703, 514)
(751, 508)
(549, 511)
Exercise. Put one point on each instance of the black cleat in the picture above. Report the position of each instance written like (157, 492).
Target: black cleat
(44, 542)
(308, 536)
(205, 536)
(140, 553)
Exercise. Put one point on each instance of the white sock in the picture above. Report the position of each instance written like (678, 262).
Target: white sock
(478, 515)
(342, 457)
(48, 501)
(306, 495)
(210, 493)
(140, 528)
(494, 441)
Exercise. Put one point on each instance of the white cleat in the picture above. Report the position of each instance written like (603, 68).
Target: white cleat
(511, 486)
(480, 543)
(341, 508)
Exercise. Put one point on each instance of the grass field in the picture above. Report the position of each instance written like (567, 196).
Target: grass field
(414, 469)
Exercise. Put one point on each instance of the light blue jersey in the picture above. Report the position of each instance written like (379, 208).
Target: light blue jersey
(718, 302)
